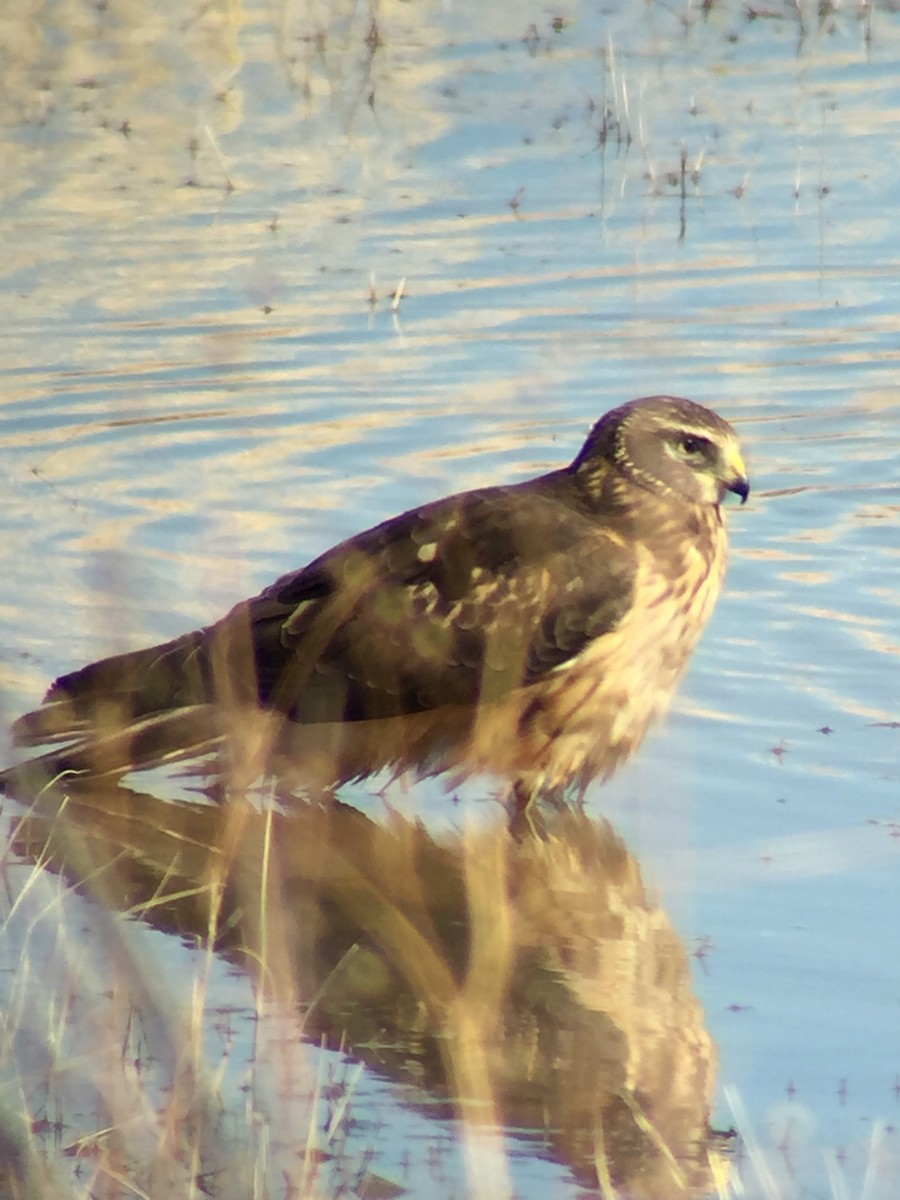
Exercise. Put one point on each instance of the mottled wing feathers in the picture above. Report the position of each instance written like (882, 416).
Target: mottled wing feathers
(453, 604)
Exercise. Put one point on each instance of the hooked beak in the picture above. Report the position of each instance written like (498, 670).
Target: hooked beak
(734, 479)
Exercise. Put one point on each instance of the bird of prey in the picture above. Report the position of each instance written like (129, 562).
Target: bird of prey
(530, 632)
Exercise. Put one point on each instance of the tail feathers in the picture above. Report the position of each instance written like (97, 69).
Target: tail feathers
(156, 740)
(109, 696)
(166, 704)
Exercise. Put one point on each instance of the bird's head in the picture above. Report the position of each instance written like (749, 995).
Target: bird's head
(669, 446)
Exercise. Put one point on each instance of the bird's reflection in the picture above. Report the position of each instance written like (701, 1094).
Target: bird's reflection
(531, 983)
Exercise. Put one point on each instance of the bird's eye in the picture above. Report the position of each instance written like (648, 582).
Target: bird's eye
(692, 445)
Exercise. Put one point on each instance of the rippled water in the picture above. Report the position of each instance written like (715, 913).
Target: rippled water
(205, 213)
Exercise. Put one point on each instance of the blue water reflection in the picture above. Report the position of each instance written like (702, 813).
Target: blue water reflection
(199, 394)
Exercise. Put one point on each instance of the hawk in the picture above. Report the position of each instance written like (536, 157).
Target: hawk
(530, 632)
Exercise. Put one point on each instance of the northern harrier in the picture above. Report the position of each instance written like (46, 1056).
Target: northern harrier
(530, 632)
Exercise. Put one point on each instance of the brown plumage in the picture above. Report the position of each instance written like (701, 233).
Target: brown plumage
(530, 631)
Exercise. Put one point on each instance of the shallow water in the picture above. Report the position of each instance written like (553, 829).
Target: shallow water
(205, 214)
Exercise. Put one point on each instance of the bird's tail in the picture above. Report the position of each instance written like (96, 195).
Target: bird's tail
(111, 694)
(135, 710)
(162, 738)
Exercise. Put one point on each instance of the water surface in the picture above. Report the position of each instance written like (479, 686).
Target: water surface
(205, 214)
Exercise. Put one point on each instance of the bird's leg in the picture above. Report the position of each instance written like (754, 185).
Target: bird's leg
(522, 797)
(525, 819)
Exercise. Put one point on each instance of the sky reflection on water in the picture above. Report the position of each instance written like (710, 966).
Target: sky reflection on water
(199, 394)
